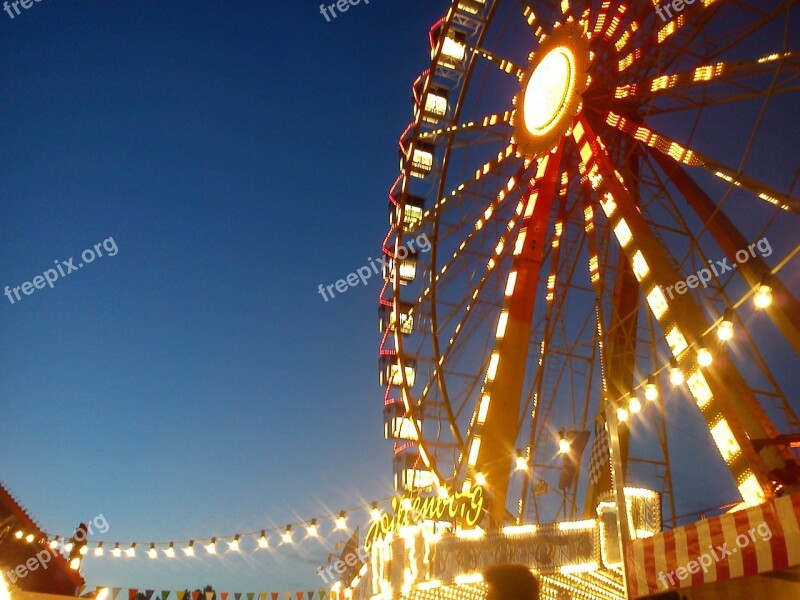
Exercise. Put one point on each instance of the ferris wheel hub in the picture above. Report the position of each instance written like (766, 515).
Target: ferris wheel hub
(552, 86)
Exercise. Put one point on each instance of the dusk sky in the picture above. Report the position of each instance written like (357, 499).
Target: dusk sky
(195, 384)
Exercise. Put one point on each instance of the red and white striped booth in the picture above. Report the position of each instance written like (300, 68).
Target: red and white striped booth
(748, 542)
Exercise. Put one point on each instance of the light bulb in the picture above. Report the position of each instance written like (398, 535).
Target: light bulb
(675, 374)
(634, 405)
(211, 547)
(170, 551)
(651, 389)
(480, 479)
(704, 358)
(263, 542)
(75, 563)
(131, 552)
(725, 328)
(84, 549)
(312, 529)
(286, 536)
(622, 414)
(341, 521)
(116, 552)
(234, 545)
(520, 463)
(763, 296)
(99, 550)
(563, 445)
(152, 552)
(189, 550)
(375, 512)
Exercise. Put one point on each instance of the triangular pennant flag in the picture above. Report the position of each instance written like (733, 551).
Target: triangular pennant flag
(287, 596)
(321, 594)
(250, 595)
(115, 592)
(196, 595)
(97, 591)
(148, 594)
(310, 595)
(209, 595)
(165, 594)
(224, 595)
(181, 594)
(237, 595)
(275, 595)
(132, 593)
(299, 595)
(262, 596)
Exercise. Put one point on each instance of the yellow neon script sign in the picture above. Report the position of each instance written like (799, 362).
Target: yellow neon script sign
(463, 508)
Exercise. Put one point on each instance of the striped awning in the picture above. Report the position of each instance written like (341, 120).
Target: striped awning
(744, 543)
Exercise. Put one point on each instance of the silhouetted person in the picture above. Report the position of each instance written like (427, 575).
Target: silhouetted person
(511, 582)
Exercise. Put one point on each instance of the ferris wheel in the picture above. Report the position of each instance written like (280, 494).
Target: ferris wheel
(608, 197)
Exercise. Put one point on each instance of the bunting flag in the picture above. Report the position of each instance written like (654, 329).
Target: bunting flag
(145, 594)
(310, 595)
(164, 594)
(275, 595)
(148, 594)
(209, 595)
(196, 595)
(299, 595)
(322, 593)
(132, 593)
(181, 594)
(237, 596)
(250, 595)
(115, 592)
(224, 595)
(262, 596)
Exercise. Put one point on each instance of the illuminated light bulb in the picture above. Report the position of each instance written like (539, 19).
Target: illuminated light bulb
(443, 492)
(75, 563)
(480, 479)
(18, 535)
(211, 547)
(651, 389)
(763, 296)
(99, 550)
(405, 504)
(675, 374)
(375, 512)
(189, 550)
(29, 538)
(286, 536)
(68, 547)
(83, 550)
(634, 405)
(704, 357)
(152, 552)
(312, 529)
(520, 463)
(54, 543)
(725, 328)
(341, 521)
(263, 542)
(131, 552)
(622, 414)
(564, 445)
(116, 552)
(170, 551)
(234, 545)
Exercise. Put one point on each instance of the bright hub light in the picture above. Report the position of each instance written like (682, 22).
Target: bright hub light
(548, 89)
(563, 445)
(480, 479)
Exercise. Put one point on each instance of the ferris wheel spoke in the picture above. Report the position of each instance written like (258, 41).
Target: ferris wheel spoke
(721, 393)
(495, 120)
(785, 312)
(725, 72)
(505, 65)
(693, 158)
